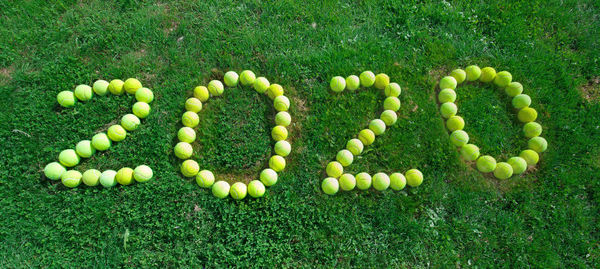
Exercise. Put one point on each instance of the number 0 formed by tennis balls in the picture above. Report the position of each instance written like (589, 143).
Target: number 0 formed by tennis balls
(336, 178)
(190, 119)
(69, 158)
(521, 102)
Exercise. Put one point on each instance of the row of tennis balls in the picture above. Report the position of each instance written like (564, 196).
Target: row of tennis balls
(238, 190)
(367, 79)
(379, 181)
(101, 87)
(93, 177)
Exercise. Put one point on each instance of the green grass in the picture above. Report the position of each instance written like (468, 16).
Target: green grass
(457, 218)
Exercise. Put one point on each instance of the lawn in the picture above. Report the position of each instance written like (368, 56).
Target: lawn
(459, 217)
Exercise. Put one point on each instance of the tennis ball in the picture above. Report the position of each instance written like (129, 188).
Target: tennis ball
(447, 96)
(448, 110)
(190, 119)
(397, 181)
(459, 138)
(221, 188)
(116, 86)
(189, 168)
(238, 191)
(519, 165)
(100, 87)
(66, 98)
(261, 84)
(347, 182)
(100, 141)
(54, 170)
(355, 146)
(532, 129)
(247, 77)
(256, 189)
(215, 87)
(84, 149)
(530, 156)
(381, 81)
(330, 186)
(377, 126)
(391, 103)
(144, 95)
(193, 104)
(459, 75)
(363, 181)
(83, 92)
(503, 170)
(538, 144)
(367, 79)
(107, 178)
(186, 134)
(381, 181)
(455, 123)
(469, 152)
(488, 74)
(503, 78)
(231, 79)
(473, 72)
(486, 164)
(71, 178)
(131, 85)
(392, 89)
(334, 169)
(521, 101)
(279, 133)
(91, 177)
(527, 114)
(201, 93)
(283, 118)
(513, 89)
(124, 176)
(268, 177)
(337, 84)
(448, 82)
(366, 136)
(130, 122)
(344, 157)
(142, 173)
(205, 179)
(389, 117)
(183, 150)
(414, 177)
(283, 148)
(352, 83)
(141, 109)
(68, 158)
(277, 163)
(116, 133)
(281, 103)
(274, 90)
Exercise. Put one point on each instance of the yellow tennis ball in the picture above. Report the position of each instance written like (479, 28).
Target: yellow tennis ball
(268, 177)
(473, 72)
(502, 79)
(131, 85)
(183, 150)
(334, 169)
(279, 133)
(448, 110)
(459, 138)
(389, 117)
(519, 165)
(124, 176)
(447, 96)
(220, 189)
(116, 86)
(144, 95)
(344, 157)
(355, 146)
(381, 81)
(393, 90)
(256, 189)
(231, 79)
(347, 182)
(247, 77)
(448, 82)
(459, 74)
(130, 122)
(330, 186)
(281, 103)
(85, 149)
(352, 83)
(366, 136)
(141, 109)
(100, 87)
(201, 93)
(116, 133)
(274, 90)
(71, 178)
(261, 84)
(513, 89)
(54, 170)
(503, 170)
(91, 177)
(190, 119)
(530, 156)
(363, 181)
(488, 74)
(193, 104)
(68, 158)
(142, 173)
(83, 92)
(190, 168)
(66, 98)
(277, 163)
(455, 123)
(521, 101)
(186, 134)
(367, 79)
(238, 191)
(283, 118)
(107, 178)
(538, 144)
(469, 152)
(391, 103)
(486, 164)
(381, 181)
(527, 114)
(283, 148)
(101, 142)
(532, 129)
(397, 181)
(205, 179)
(215, 87)
(414, 177)
(337, 84)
